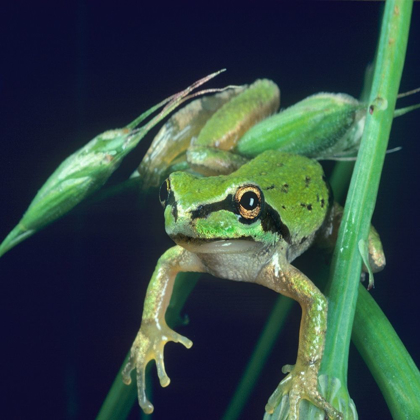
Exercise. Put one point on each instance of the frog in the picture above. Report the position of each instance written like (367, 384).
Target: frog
(243, 197)
(248, 226)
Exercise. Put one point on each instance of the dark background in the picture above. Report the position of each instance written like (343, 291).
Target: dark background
(71, 296)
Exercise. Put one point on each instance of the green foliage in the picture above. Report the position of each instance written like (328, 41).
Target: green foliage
(86, 170)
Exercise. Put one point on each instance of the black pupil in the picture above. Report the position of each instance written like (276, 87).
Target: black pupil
(249, 201)
(163, 192)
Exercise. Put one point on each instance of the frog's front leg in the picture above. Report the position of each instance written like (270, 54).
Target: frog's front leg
(302, 379)
(154, 333)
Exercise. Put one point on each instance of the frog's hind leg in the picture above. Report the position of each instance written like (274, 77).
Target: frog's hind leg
(302, 379)
(327, 239)
(376, 253)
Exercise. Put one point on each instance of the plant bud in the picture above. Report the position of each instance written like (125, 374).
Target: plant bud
(321, 126)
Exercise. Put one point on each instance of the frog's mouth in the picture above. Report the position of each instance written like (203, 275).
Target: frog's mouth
(216, 246)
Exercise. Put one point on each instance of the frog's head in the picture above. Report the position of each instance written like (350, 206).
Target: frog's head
(218, 214)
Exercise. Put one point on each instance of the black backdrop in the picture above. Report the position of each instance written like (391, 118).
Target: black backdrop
(71, 296)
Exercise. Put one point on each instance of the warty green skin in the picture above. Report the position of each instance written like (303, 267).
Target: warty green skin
(216, 233)
(210, 152)
(293, 187)
(202, 218)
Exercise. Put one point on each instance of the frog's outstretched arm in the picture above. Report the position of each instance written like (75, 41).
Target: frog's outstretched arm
(154, 332)
(327, 238)
(302, 379)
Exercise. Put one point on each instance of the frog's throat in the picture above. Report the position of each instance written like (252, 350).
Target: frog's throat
(216, 246)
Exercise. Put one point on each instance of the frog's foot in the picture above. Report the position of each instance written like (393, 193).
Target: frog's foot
(300, 384)
(147, 346)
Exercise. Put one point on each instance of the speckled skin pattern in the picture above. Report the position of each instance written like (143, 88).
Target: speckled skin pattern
(291, 207)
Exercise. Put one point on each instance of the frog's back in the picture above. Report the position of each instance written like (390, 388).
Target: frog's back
(293, 186)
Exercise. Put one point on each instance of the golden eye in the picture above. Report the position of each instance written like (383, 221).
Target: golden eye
(248, 201)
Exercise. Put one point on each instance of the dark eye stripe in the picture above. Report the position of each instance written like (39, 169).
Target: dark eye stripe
(201, 212)
(271, 222)
(270, 219)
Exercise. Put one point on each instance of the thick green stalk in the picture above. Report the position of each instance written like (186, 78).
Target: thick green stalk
(259, 357)
(120, 399)
(389, 362)
(346, 264)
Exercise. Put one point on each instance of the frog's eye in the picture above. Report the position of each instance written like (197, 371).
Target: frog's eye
(164, 192)
(248, 199)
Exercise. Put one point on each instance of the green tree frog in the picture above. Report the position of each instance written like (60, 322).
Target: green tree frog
(243, 199)
(247, 220)
(247, 226)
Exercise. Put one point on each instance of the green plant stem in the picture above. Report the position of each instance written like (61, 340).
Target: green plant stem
(120, 399)
(389, 362)
(259, 357)
(346, 263)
